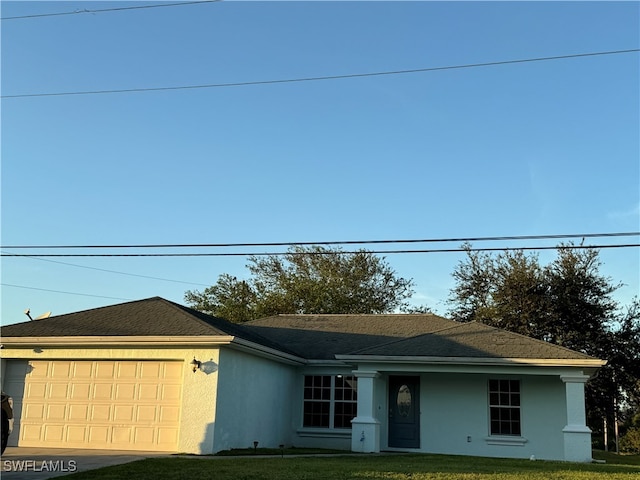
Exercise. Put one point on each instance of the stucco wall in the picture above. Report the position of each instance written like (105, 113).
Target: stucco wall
(338, 439)
(254, 402)
(238, 398)
(198, 391)
(454, 416)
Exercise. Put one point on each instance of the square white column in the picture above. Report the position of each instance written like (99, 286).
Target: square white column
(365, 428)
(577, 436)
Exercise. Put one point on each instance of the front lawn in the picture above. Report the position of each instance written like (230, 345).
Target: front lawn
(361, 467)
(611, 457)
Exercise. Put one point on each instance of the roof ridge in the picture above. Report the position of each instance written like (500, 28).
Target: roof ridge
(450, 327)
(94, 309)
(189, 313)
(398, 340)
(194, 314)
(245, 333)
(356, 315)
(345, 316)
(149, 316)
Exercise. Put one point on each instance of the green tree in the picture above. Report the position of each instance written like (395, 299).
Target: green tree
(505, 291)
(312, 280)
(568, 303)
(228, 298)
(472, 296)
(624, 360)
(582, 308)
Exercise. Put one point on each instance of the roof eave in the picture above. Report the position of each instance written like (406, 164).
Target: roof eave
(267, 352)
(150, 341)
(120, 341)
(484, 361)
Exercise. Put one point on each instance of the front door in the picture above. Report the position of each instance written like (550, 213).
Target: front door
(404, 412)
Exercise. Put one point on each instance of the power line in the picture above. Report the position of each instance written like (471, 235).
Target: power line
(529, 237)
(338, 242)
(380, 252)
(451, 250)
(115, 9)
(67, 293)
(329, 77)
(105, 270)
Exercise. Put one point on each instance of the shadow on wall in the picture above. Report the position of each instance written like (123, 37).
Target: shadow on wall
(209, 367)
(206, 445)
(13, 384)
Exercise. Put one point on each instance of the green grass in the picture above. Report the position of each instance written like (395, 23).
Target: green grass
(363, 467)
(611, 457)
(277, 451)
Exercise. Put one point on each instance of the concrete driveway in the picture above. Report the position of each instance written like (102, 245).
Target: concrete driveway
(27, 463)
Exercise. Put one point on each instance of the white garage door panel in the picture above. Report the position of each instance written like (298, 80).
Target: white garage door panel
(102, 404)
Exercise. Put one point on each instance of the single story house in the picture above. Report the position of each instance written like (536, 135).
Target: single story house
(155, 375)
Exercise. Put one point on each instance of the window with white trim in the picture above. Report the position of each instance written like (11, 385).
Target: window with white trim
(504, 407)
(330, 401)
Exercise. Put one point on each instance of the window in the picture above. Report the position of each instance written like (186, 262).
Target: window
(330, 401)
(346, 401)
(504, 407)
(317, 401)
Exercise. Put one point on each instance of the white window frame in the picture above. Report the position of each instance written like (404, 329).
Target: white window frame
(332, 401)
(501, 405)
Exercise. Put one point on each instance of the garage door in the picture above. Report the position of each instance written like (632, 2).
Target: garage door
(127, 405)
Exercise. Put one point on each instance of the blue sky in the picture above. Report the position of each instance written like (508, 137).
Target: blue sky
(538, 148)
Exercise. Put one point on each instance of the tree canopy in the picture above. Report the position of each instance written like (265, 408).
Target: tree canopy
(567, 302)
(311, 280)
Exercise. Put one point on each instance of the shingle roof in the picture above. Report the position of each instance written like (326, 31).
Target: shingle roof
(149, 317)
(321, 337)
(473, 340)
(393, 325)
(314, 337)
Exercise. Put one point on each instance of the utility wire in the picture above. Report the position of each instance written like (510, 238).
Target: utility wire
(273, 254)
(339, 242)
(115, 9)
(383, 252)
(329, 77)
(67, 293)
(105, 270)
(4, 254)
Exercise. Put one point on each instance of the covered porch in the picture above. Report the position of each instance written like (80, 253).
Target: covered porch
(495, 409)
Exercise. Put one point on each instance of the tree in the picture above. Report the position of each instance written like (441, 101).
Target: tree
(582, 309)
(568, 303)
(228, 298)
(312, 280)
(506, 291)
(475, 283)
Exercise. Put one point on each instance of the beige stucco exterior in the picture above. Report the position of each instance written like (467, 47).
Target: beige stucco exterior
(199, 389)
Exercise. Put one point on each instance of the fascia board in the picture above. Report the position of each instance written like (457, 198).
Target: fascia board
(120, 341)
(266, 352)
(533, 362)
(329, 363)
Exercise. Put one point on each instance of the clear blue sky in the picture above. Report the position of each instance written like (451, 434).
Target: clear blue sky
(534, 148)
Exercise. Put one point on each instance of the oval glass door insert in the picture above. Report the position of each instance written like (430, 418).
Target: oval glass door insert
(404, 401)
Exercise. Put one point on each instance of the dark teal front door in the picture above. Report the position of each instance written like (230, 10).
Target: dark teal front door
(404, 412)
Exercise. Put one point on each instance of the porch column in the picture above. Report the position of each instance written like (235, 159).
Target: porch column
(577, 436)
(365, 428)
